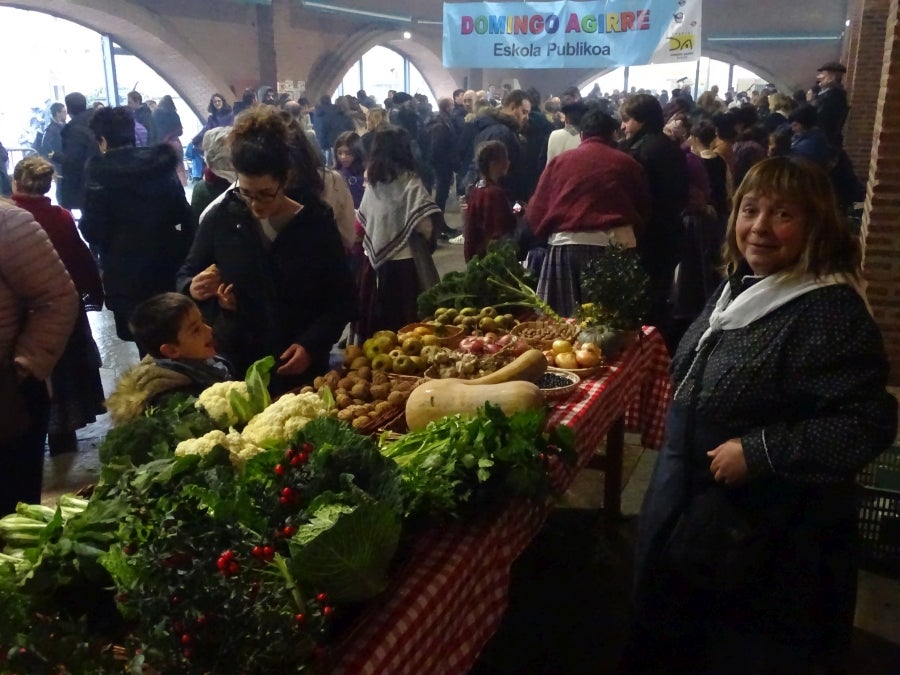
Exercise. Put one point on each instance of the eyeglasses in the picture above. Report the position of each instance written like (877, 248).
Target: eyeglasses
(258, 197)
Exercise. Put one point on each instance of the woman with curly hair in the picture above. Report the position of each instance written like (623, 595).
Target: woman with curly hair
(267, 264)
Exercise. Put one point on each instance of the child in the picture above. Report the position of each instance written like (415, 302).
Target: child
(488, 213)
(180, 357)
(348, 161)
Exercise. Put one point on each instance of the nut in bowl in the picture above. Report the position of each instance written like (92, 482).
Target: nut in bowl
(542, 334)
(557, 383)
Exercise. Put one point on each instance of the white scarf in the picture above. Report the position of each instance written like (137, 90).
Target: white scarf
(763, 298)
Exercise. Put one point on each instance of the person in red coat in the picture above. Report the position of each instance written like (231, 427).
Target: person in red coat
(77, 388)
(489, 215)
(586, 198)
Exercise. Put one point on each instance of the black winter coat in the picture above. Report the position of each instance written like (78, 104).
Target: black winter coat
(667, 174)
(137, 219)
(494, 125)
(78, 146)
(298, 289)
(803, 388)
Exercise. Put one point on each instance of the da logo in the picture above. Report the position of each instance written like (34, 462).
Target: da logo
(681, 42)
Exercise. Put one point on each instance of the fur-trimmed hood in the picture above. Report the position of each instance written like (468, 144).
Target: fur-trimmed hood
(139, 386)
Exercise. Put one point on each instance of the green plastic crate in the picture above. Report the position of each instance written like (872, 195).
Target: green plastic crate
(879, 514)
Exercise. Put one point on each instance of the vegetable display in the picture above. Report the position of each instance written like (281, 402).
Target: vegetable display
(226, 537)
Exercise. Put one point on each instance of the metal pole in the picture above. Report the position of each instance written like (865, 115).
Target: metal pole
(730, 76)
(697, 82)
(109, 71)
(625, 82)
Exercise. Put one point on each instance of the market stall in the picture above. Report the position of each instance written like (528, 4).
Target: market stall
(449, 597)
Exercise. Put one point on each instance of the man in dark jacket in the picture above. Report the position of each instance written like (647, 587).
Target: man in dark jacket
(831, 102)
(143, 116)
(504, 125)
(78, 146)
(135, 215)
(536, 132)
(51, 143)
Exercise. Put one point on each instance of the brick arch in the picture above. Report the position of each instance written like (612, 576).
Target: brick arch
(151, 37)
(329, 69)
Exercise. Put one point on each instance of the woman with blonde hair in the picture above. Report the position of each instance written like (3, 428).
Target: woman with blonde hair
(746, 543)
(77, 390)
(376, 120)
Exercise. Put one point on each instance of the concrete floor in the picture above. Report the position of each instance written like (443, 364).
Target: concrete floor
(878, 611)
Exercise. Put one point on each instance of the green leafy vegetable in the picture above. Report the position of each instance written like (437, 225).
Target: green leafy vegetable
(496, 279)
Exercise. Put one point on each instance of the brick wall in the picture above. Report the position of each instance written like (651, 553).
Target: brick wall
(881, 219)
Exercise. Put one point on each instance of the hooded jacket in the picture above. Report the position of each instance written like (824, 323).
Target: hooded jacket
(137, 218)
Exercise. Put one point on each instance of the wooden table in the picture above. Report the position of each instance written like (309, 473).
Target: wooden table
(449, 596)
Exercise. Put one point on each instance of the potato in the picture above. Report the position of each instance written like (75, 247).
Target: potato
(345, 383)
(318, 383)
(343, 400)
(379, 392)
(308, 389)
(381, 406)
(360, 422)
(364, 373)
(345, 415)
(380, 377)
(331, 379)
(396, 398)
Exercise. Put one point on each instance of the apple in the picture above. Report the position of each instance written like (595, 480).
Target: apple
(382, 362)
(412, 346)
(551, 357)
(430, 340)
(403, 364)
(566, 360)
(394, 353)
(587, 358)
(561, 346)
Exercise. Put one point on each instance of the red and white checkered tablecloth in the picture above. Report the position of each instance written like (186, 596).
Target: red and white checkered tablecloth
(449, 596)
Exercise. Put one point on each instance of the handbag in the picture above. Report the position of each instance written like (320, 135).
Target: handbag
(14, 417)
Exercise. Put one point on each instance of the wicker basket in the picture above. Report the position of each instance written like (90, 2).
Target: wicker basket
(879, 514)
(561, 331)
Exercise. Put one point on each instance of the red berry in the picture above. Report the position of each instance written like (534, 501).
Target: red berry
(221, 563)
(284, 501)
(542, 456)
(321, 597)
(299, 618)
(304, 456)
(289, 530)
(233, 568)
(297, 460)
(186, 639)
(228, 554)
(268, 552)
(287, 492)
(279, 470)
(201, 619)
(307, 447)
(290, 452)
(327, 611)
(187, 653)
(174, 599)
(257, 551)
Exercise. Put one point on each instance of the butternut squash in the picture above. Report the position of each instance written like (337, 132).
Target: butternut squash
(528, 367)
(435, 399)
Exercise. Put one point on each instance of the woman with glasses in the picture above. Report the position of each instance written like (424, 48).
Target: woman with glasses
(267, 269)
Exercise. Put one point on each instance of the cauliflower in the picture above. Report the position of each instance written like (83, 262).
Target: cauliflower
(216, 401)
(239, 449)
(284, 418)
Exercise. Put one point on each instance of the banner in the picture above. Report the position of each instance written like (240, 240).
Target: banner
(571, 34)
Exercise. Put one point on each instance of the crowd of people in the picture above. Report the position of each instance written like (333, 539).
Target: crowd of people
(306, 220)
